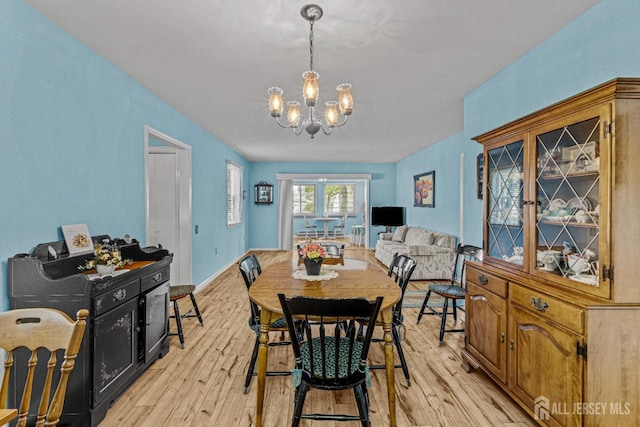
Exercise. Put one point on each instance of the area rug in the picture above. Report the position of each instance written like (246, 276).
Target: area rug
(413, 298)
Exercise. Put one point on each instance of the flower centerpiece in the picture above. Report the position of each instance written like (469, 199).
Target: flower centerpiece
(108, 258)
(312, 254)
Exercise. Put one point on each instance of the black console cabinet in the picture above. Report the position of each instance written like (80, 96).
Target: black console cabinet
(128, 325)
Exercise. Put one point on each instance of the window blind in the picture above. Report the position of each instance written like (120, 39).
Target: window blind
(234, 194)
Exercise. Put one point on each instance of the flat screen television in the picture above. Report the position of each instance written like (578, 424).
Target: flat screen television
(387, 216)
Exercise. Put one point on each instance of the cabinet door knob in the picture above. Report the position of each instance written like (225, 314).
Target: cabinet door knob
(511, 344)
(483, 279)
(501, 337)
(539, 304)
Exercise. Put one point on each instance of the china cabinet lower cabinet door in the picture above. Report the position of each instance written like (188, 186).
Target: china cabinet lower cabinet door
(544, 370)
(486, 315)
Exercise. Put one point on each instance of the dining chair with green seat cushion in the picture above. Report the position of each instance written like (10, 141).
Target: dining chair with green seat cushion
(453, 291)
(250, 269)
(400, 270)
(328, 351)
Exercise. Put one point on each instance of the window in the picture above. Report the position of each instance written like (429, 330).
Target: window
(234, 194)
(340, 199)
(304, 199)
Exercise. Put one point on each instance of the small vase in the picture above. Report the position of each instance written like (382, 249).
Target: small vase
(105, 270)
(313, 266)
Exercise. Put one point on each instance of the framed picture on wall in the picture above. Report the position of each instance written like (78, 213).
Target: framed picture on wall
(424, 190)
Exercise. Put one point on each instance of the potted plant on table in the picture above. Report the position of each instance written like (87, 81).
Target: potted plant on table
(108, 258)
(312, 254)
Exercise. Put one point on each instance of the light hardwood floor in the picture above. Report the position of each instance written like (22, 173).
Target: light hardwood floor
(202, 385)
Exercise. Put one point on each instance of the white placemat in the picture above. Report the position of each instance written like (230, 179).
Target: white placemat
(324, 275)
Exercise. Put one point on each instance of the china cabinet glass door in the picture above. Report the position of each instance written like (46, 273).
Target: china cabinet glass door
(505, 195)
(568, 181)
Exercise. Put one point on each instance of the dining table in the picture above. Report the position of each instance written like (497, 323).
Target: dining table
(351, 279)
(325, 222)
(7, 415)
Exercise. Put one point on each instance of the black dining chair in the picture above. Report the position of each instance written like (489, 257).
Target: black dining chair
(328, 352)
(453, 291)
(250, 269)
(400, 269)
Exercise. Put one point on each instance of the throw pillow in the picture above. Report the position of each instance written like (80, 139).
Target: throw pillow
(398, 235)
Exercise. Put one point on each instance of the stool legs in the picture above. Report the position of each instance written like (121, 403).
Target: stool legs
(176, 312)
(179, 317)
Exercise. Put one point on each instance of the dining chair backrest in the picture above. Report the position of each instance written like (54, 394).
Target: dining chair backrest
(334, 250)
(250, 269)
(464, 253)
(306, 222)
(30, 331)
(328, 351)
(401, 269)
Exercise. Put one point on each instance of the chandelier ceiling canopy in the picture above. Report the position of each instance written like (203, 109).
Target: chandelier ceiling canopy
(310, 91)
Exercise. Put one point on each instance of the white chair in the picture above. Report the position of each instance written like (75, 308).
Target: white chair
(310, 228)
(338, 230)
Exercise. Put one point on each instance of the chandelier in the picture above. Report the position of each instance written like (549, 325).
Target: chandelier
(310, 90)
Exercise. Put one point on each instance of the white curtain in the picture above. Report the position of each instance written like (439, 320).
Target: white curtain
(285, 214)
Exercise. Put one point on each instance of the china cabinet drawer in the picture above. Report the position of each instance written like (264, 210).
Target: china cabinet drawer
(551, 308)
(487, 281)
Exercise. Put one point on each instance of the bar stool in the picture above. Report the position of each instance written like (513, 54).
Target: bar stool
(176, 293)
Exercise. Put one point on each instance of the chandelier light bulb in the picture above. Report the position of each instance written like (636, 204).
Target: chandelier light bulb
(275, 101)
(345, 98)
(331, 113)
(293, 113)
(310, 88)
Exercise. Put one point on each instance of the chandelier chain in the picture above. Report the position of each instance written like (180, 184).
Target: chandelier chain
(311, 45)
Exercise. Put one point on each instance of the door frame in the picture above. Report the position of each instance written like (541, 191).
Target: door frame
(184, 208)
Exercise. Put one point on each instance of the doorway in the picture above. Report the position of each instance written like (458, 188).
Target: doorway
(168, 200)
(285, 209)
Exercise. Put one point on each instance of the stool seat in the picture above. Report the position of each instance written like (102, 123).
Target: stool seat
(180, 291)
(177, 292)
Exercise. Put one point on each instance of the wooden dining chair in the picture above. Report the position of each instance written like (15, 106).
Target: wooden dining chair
(40, 330)
(250, 269)
(453, 291)
(328, 352)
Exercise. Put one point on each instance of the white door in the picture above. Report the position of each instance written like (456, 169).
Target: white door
(163, 204)
(169, 201)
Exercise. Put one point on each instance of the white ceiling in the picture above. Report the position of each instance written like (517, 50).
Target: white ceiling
(410, 62)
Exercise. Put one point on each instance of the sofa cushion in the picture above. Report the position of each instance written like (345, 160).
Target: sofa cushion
(399, 234)
(444, 240)
(418, 236)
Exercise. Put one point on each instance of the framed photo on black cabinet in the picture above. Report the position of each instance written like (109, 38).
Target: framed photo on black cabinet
(264, 193)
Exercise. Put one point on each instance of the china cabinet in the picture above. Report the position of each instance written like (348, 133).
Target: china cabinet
(549, 306)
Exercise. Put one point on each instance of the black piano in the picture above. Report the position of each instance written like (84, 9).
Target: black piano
(128, 325)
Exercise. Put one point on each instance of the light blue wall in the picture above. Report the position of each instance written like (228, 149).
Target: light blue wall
(444, 158)
(72, 148)
(263, 227)
(602, 44)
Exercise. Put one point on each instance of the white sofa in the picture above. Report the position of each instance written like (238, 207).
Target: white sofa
(432, 251)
